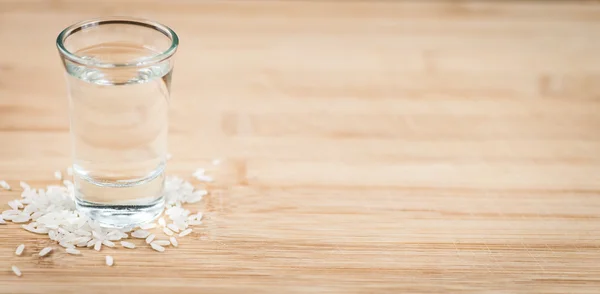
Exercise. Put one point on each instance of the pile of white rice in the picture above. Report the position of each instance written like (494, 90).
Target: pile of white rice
(51, 212)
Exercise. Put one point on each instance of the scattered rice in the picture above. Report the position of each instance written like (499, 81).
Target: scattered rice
(127, 244)
(20, 249)
(58, 175)
(16, 270)
(173, 228)
(81, 241)
(162, 242)
(66, 245)
(194, 220)
(13, 204)
(168, 232)
(150, 238)
(32, 229)
(82, 232)
(108, 243)
(73, 251)
(148, 226)
(69, 171)
(98, 235)
(204, 178)
(24, 185)
(182, 225)
(157, 247)
(98, 245)
(5, 185)
(185, 233)
(45, 251)
(52, 211)
(140, 234)
(109, 260)
(199, 172)
(11, 212)
(22, 218)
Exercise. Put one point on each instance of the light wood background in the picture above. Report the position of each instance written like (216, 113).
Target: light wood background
(369, 146)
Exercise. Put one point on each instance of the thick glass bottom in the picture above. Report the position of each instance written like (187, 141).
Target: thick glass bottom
(120, 216)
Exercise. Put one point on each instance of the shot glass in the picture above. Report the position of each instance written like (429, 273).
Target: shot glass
(118, 73)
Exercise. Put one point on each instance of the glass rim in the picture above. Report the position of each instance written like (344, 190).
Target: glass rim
(82, 25)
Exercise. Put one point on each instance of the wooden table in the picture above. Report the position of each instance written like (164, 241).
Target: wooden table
(368, 146)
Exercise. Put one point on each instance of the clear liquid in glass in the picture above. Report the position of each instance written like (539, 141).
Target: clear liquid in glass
(119, 124)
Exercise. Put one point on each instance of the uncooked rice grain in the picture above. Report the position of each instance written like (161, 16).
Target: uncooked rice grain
(66, 245)
(185, 233)
(140, 234)
(114, 238)
(109, 260)
(150, 238)
(168, 232)
(24, 185)
(4, 185)
(58, 175)
(98, 245)
(173, 228)
(13, 205)
(157, 247)
(37, 215)
(174, 241)
(82, 232)
(148, 226)
(204, 178)
(23, 218)
(35, 230)
(98, 235)
(69, 171)
(128, 245)
(161, 222)
(16, 270)
(73, 251)
(199, 172)
(108, 243)
(20, 249)
(10, 212)
(181, 224)
(162, 242)
(82, 243)
(45, 251)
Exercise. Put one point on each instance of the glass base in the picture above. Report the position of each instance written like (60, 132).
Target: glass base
(120, 216)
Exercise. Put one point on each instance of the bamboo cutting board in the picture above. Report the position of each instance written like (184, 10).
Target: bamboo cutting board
(367, 146)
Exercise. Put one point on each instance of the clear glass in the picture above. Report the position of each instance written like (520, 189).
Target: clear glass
(118, 78)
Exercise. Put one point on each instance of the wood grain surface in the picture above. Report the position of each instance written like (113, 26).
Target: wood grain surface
(368, 146)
